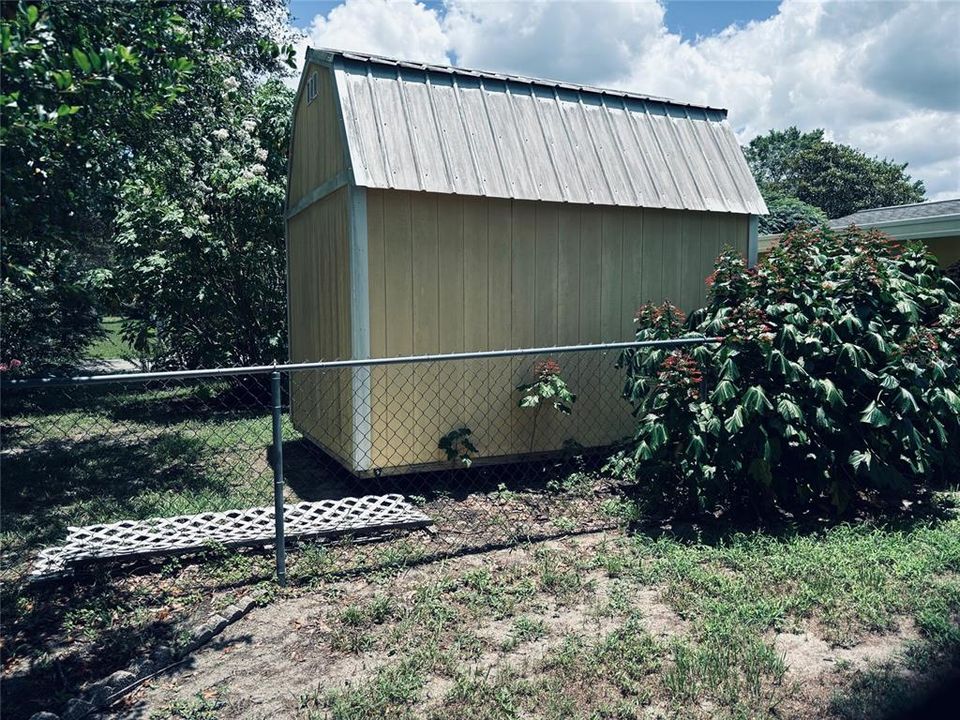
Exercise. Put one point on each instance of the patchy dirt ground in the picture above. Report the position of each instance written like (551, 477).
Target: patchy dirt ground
(504, 634)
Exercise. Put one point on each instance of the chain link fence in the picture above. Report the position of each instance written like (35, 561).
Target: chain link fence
(426, 456)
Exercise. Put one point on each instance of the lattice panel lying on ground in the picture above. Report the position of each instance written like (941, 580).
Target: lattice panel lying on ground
(251, 526)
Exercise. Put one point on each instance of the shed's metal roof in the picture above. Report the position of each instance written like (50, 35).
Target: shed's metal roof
(412, 126)
(893, 213)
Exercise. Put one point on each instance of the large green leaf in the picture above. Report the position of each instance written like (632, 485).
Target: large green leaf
(755, 399)
(830, 392)
(860, 458)
(724, 391)
(734, 423)
(873, 415)
(788, 409)
(905, 402)
(81, 59)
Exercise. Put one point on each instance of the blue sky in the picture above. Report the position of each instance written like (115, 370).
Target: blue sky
(687, 18)
(883, 76)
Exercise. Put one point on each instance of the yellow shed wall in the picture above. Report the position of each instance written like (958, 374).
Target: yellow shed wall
(452, 273)
(320, 325)
(317, 151)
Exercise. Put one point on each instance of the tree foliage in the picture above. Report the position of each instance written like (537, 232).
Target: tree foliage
(91, 92)
(836, 178)
(200, 255)
(789, 213)
(838, 375)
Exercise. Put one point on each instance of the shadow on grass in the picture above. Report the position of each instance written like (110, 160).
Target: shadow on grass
(924, 508)
(66, 635)
(149, 403)
(314, 475)
(890, 692)
(49, 486)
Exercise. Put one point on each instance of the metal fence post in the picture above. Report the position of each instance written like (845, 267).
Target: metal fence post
(277, 457)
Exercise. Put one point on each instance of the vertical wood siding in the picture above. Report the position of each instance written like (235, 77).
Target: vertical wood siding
(318, 152)
(455, 273)
(319, 293)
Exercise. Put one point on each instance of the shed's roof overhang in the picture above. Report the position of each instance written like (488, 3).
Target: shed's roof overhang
(415, 126)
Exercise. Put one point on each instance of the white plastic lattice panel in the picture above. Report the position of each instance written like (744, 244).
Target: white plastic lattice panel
(252, 526)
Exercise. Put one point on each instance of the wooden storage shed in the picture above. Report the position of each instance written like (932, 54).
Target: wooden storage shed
(433, 210)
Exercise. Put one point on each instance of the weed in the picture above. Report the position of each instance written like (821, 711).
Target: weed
(391, 693)
(577, 484)
(557, 576)
(622, 509)
(476, 697)
(501, 596)
(203, 706)
(524, 629)
(504, 495)
(313, 562)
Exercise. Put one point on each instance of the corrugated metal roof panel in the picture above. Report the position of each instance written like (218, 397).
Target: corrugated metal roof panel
(562, 155)
(412, 126)
(476, 120)
(457, 147)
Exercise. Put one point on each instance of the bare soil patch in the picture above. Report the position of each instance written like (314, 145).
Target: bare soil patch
(282, 659)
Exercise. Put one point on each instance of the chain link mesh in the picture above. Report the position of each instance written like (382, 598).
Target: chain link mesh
(450, 436)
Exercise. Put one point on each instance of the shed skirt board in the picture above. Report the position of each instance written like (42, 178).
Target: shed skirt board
(252, 526)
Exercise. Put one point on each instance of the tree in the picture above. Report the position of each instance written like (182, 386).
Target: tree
(836, 178)
(70, 90)
(89, 90)
(841, 180)
(200, 256)
(770, 156)
(788, 213)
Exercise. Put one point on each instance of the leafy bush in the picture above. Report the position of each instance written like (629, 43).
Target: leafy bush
(458, 446)
(838, 375)
(789, 213)
(548, 387)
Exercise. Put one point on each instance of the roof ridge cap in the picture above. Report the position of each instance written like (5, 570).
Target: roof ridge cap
(358, 56)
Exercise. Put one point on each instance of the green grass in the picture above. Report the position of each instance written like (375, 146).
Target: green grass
(849, 580)
(102, 454)
(732, 593)
(88, 455)
(200, 707)
(111, 346)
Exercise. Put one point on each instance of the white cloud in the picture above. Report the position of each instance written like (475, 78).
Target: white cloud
(402, 28)
(560, 40)
(882, 76)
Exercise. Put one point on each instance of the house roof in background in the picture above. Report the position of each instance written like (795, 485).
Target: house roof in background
(415, 126)
(895, 213)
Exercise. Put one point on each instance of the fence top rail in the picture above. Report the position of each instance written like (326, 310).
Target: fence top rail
(29, 383)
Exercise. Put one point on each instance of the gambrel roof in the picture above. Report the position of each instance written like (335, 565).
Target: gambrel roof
(413, 126)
